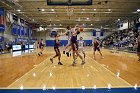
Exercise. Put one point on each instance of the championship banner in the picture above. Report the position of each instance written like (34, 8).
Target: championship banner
(14, 29)
(22, 31)
(94, 32)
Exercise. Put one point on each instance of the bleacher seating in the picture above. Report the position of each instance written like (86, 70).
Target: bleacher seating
(125, 39)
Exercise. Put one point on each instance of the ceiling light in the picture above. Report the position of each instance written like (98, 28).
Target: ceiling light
(42, 9)
(138, 10)
(87, 18)
(18, 10)
(109, 9)
(83, 9)
(52, 9)
(94, 9)
(91, 24)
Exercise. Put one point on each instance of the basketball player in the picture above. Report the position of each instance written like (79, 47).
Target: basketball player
(69, 34)
(138, 47)
(96, 46)
(57, 51)
(81, 45)
(74, 46)
(41, 47)
(36, 46)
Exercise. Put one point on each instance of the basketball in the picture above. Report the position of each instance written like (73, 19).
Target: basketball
(81, 29)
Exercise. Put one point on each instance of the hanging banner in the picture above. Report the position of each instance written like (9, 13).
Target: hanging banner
(14, 29)
(19, 30)
(2, 28)
(22, 31)
(94, 32)
(30, 32)
(1, 16)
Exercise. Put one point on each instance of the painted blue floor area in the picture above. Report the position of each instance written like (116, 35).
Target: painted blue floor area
(99, 90)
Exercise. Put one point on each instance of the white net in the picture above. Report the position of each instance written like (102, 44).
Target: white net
(69, 12)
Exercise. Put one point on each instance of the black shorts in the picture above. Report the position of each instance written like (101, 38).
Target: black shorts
(96, 48)
(74, 46)
(57, 51)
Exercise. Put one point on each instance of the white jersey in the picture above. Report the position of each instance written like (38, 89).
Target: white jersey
(69, 34)
(81, 44)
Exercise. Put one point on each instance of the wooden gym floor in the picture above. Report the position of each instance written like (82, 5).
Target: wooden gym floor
(31, 71)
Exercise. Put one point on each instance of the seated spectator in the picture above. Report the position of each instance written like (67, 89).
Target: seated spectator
(8, 47)
(1, 49)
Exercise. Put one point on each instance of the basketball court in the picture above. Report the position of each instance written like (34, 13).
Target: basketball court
(28, 25)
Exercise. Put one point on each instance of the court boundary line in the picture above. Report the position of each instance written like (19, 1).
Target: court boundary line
(29, 71)
(72, 87)
(110, 71)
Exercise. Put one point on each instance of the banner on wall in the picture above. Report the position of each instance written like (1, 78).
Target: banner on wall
(2, 28)
(1, 16)
(1, 11)
(22, 31)
(102, 33)
(19, 29)
(94, 32)
(30, 31)
(26, 31)
(1, 38)
(137, 26)
(14, 29)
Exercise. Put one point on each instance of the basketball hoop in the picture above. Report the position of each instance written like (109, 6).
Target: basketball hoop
(69, 12)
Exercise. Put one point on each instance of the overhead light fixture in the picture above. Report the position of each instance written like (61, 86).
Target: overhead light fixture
(42, 10)
(94, 9)
(91, 24)
(118, 19)
(87, 18)
(138, 10)
(83, 9)
(109, 9)
(18, 10)
(52, 10)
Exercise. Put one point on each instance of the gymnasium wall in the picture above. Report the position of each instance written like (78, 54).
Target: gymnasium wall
(8, 36)
(87, 36)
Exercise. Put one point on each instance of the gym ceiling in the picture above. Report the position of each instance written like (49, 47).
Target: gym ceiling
(101, 13)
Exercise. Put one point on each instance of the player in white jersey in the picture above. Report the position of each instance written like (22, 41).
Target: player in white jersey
(81, 45)
(69, 34)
